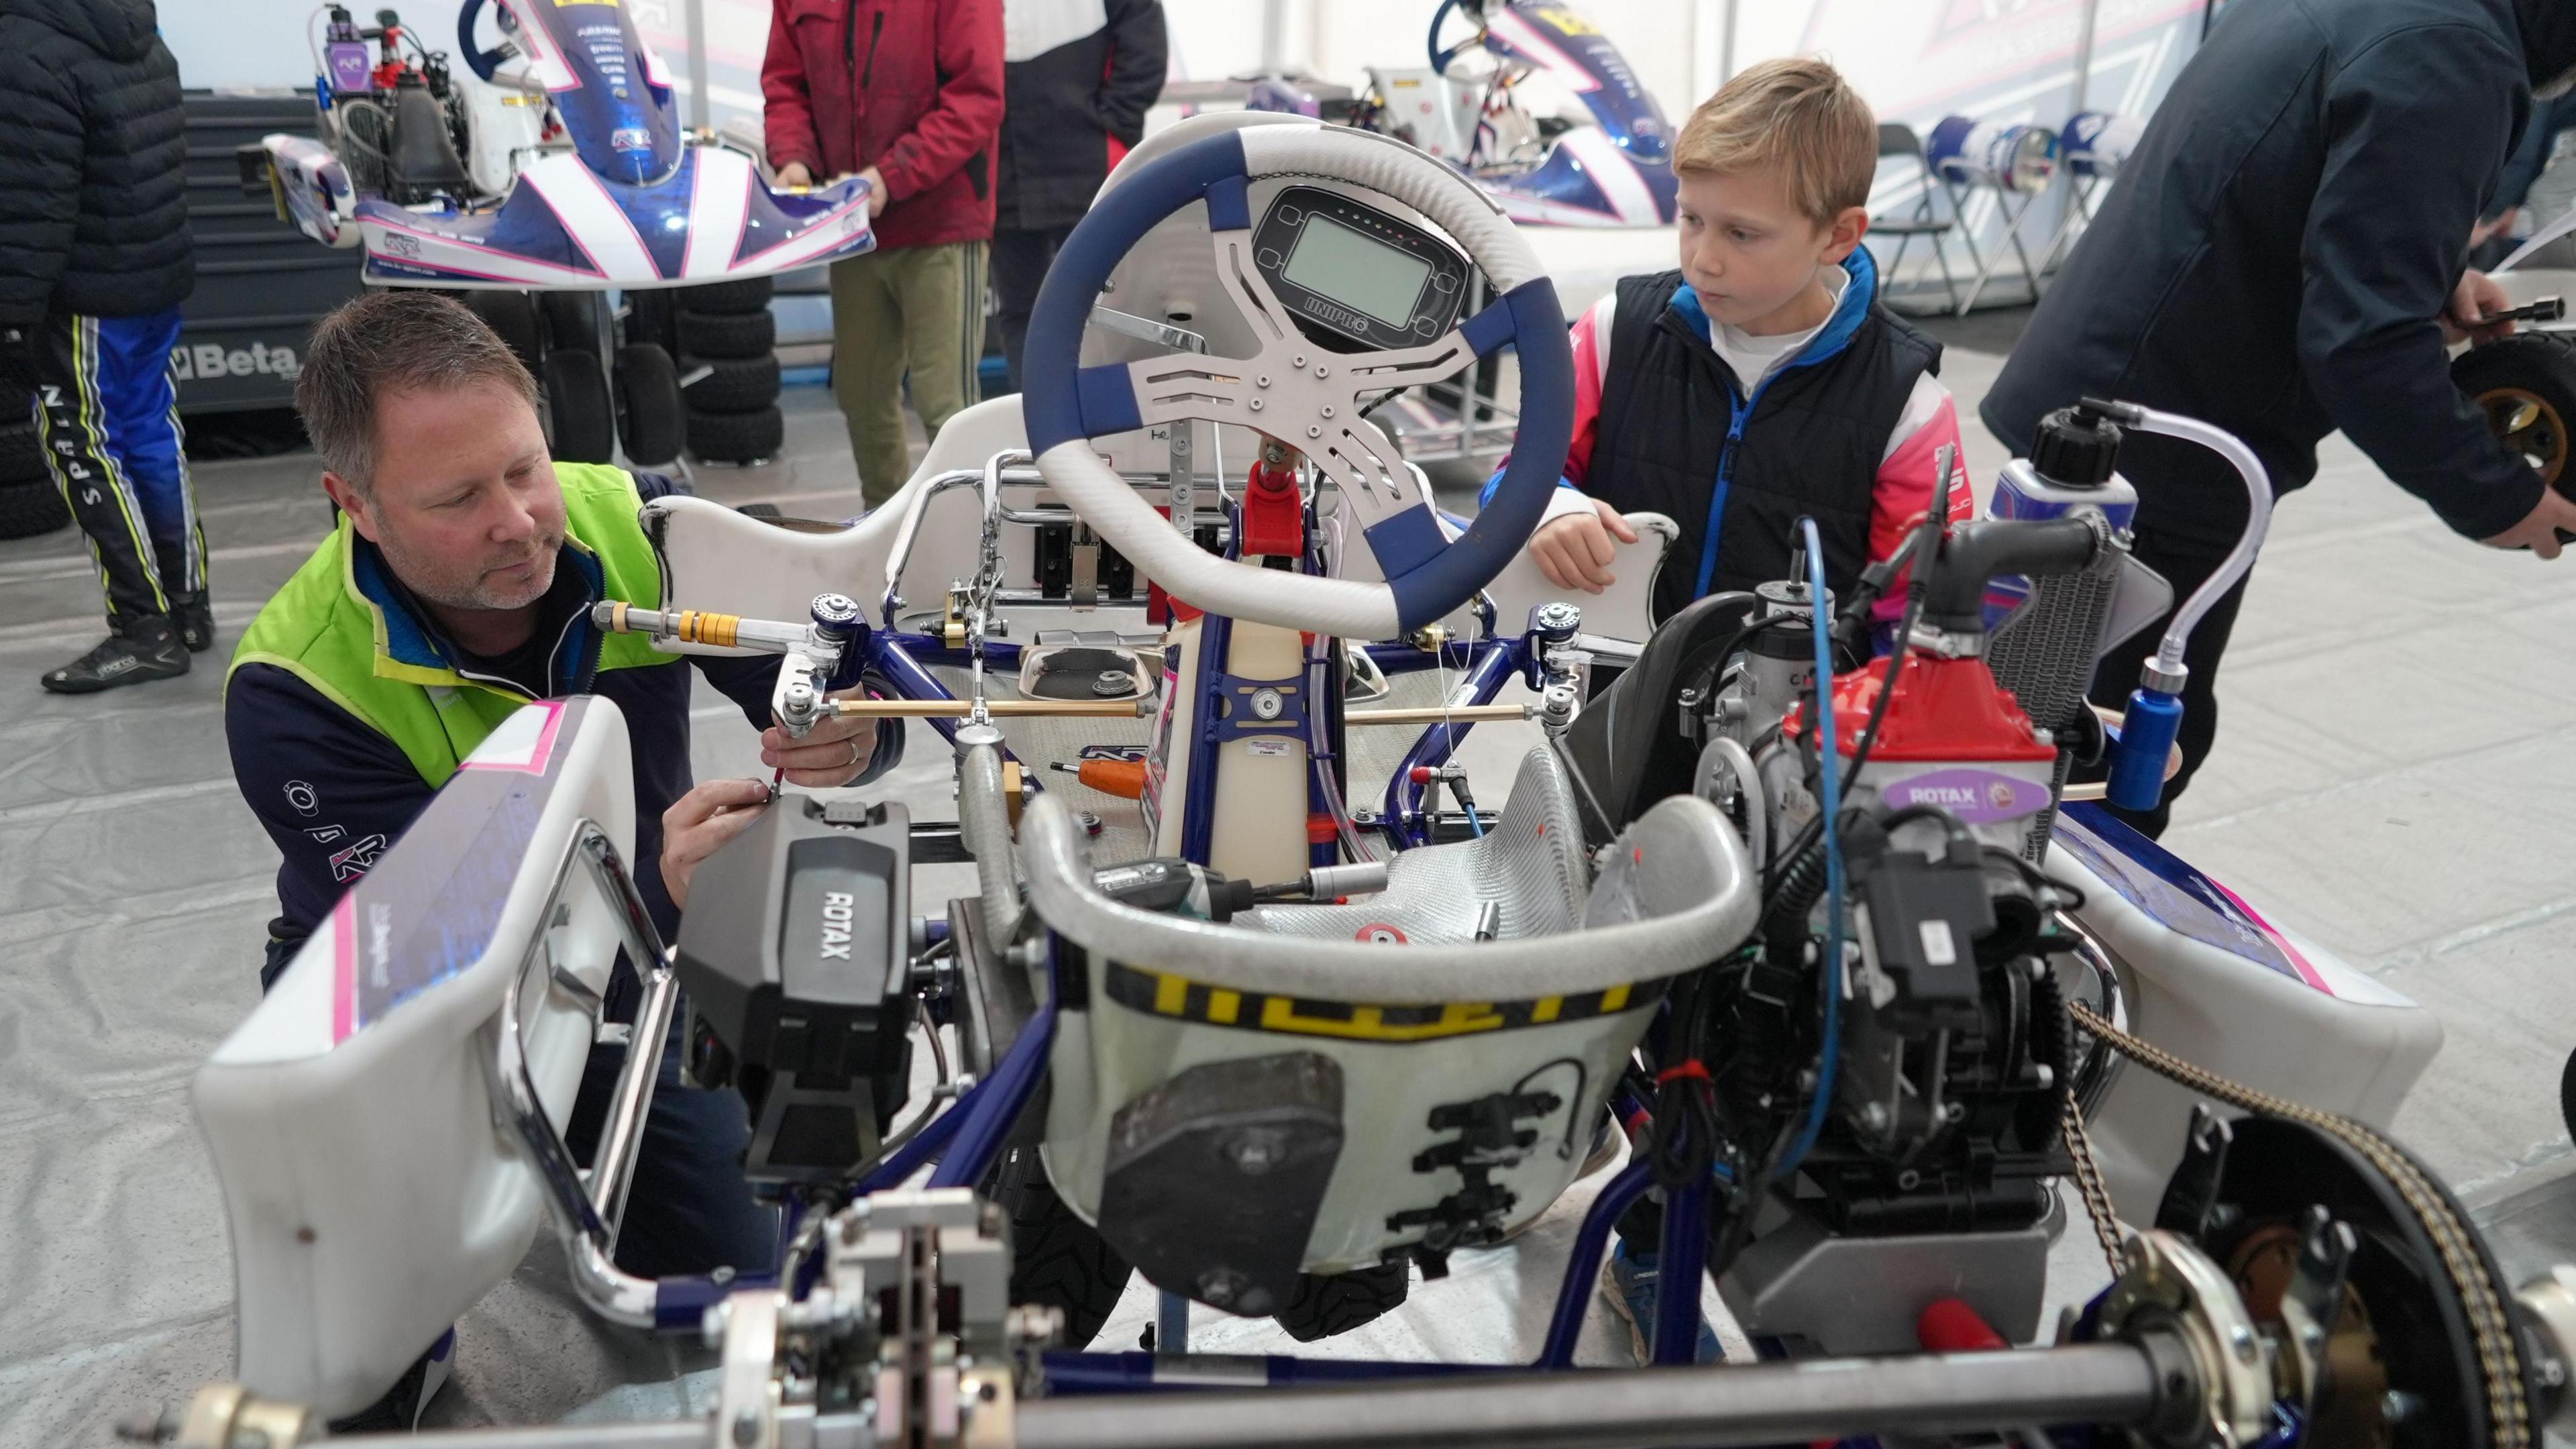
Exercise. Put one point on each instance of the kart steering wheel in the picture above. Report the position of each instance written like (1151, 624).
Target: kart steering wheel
(1304, 395)
(484, 63)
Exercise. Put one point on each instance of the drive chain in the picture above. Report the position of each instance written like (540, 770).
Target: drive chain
(2490, 1317)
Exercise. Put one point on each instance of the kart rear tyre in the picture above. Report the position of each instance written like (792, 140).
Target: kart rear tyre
(22, 455)
(1330, 1304)
(749, 294)
(571, 318)
(731, 387)
(1059, 1260)
(726, 337)
(736, 437)
(649, 409)
(583, 408)
(28, 509)
(2525, 387)
(514, 316)
(654, 316)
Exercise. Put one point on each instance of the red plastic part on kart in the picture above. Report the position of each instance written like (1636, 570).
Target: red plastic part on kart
(1944, 709)
(1274, 515)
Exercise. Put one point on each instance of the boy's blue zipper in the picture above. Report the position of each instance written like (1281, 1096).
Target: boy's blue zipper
(1825, 344)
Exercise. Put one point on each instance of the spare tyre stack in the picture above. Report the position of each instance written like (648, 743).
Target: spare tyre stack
(30, 502)
(729, 371)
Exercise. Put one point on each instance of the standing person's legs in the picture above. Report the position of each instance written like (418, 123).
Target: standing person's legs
(1020, 261)
(867, 368)
(145, 435)
(2185, 567)
(77, 379)
(941, 293)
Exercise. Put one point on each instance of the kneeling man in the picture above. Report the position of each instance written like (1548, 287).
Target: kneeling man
(456, 589)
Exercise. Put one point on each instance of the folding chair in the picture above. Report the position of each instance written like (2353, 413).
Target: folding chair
(1957, 137)
(1899, 140)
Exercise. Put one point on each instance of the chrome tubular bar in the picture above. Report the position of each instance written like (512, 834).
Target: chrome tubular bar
(1789, 1401)
(586, 1208)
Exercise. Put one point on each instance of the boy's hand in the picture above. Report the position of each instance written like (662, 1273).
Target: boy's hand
(795, 174)
(877, 197)
(1574, 551)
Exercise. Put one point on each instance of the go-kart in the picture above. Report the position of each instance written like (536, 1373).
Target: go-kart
(1545, 170)
(1832, 938)
(553, 163)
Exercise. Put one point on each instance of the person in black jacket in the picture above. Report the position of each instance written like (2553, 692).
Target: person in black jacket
(1077, 79)
(94, 261)
(2283, 257)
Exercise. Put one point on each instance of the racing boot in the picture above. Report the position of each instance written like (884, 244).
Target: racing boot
(195, 616)
(1629, 1281)
(142, 648)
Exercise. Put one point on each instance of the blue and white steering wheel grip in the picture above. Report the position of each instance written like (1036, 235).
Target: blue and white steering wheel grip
(1428, 574)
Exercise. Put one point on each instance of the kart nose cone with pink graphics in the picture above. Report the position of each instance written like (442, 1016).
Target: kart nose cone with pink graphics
(555, 163)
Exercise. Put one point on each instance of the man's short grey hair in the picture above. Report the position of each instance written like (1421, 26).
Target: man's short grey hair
(398, 340)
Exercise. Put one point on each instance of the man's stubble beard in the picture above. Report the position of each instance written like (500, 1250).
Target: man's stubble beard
(473, 593)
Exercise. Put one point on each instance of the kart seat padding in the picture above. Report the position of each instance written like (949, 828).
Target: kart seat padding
(1530, 862)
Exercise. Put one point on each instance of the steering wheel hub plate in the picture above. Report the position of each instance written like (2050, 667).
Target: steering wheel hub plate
(1366, 264)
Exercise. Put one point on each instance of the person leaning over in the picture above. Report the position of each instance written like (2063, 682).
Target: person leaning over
(906, 95)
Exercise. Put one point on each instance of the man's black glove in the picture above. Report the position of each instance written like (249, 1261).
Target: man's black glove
(18, 358)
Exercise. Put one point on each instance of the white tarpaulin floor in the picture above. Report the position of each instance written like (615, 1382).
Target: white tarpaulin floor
(2398, 761)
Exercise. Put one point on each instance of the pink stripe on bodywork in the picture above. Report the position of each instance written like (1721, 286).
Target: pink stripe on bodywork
(2281, 943)
(344, 968)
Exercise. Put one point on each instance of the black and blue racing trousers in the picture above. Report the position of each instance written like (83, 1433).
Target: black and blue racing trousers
(107, 414)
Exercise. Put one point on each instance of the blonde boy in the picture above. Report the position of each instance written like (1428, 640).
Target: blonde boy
(1760, 380)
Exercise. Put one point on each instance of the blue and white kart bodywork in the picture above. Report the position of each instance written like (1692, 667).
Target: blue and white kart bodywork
(422, 1019)
(590, 183)
(1616, 172)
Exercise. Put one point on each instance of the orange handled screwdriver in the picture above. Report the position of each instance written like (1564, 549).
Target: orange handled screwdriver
(1123, 778)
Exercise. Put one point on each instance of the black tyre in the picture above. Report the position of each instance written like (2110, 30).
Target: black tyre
(730, 387)
(2525, 385)
(584, 410)
(654, 316)
(571, 318)
(751, 294)
(514, 316)
(22, 455)
(1059, 1260)
(729, 336)
(29, 509)
(736, 437)
(1327, 1304)
(649, 410)
(2567, 1094)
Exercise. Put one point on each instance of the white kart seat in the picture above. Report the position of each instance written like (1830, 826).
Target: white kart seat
(1530, 863)
(1235, 1106)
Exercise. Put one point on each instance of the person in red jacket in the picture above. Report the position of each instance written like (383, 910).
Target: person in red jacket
(907, 95)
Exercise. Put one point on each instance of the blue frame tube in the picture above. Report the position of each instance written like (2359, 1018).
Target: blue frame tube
(987, 1121)
(1681, 1261)
(1403, 817)
(1574, 1295)
(1145, 1373)
(1456, 654)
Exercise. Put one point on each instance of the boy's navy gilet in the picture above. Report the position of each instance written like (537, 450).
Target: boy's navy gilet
(1812, 444)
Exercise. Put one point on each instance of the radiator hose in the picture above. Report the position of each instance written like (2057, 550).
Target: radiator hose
(2155, 711)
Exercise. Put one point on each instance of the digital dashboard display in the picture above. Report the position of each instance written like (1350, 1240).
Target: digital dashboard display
(1360, 272)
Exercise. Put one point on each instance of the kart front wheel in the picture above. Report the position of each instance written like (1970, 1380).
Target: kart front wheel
(584, 411)
(649, 409)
